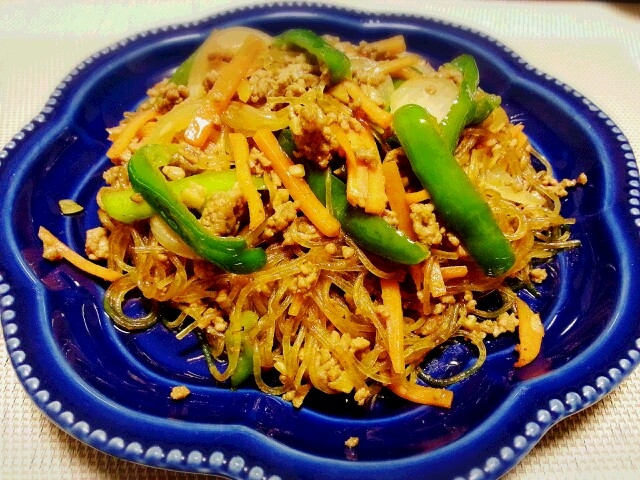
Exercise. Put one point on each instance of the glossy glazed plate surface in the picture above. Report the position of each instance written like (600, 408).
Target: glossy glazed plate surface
(111, 389)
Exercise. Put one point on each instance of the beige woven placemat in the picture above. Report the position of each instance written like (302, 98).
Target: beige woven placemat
(592, 46)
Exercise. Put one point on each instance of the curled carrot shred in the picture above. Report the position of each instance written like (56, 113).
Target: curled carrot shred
(438, 397)
(240, 150)
(530, 332)
(56, 248)
(297, 186)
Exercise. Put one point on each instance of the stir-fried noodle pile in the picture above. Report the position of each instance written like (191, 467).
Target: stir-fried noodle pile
(327, 308)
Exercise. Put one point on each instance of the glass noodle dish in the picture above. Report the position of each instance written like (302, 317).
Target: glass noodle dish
(325, 215)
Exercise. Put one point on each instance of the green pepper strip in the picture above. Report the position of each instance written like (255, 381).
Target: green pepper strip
(337, 62)
(181, 75)
(206, 349)
(471, 106)
(484, 104)
(119, 204)
(368, 231)
(244, 367)
(461, 207)
(229, 253)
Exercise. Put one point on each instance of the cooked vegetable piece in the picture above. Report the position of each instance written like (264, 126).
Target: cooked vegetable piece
(365, 179)
(530, 332)
(245, 118)
(472, 104)
(229, 253)
(240, 150)
(435, 93)
(172, 122)
(377, 114)
(169, 239)
(129, 131)
(484, 104)
(223, 90)
(398, 198)
(125, 207)
(423, 394)
(222, 43)
(298, 188)
(181, 75)
(368, 231)
(392, 300)
(244, 367)
(55, 249)
(452, 124)
(69, 207)
(459, 204)
(337, 62)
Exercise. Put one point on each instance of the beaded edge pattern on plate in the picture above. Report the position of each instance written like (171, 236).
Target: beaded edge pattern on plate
(507, 456)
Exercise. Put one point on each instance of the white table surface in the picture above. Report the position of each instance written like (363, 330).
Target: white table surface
(592, 46)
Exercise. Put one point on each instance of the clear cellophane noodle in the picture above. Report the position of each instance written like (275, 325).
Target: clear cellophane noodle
(326, 332)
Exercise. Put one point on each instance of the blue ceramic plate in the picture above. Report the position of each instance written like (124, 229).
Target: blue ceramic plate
(111, 389)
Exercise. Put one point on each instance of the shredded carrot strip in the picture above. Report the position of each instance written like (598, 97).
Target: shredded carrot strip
(454, 271)
(51, 242)
(391, 299)
(240, 151)
(130, 130)
(424, 395)
(398, 198)
(372, 109)
(223, 90)
(298, 188)
(416, 197)
(391, 66)
(530, 333)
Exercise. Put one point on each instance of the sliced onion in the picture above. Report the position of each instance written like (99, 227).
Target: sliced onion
(227, 41)
(243, 117)
(435, 94)
(367, 68)
(224, 43)
(508, 188)
(170, 239)
(385, 90)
